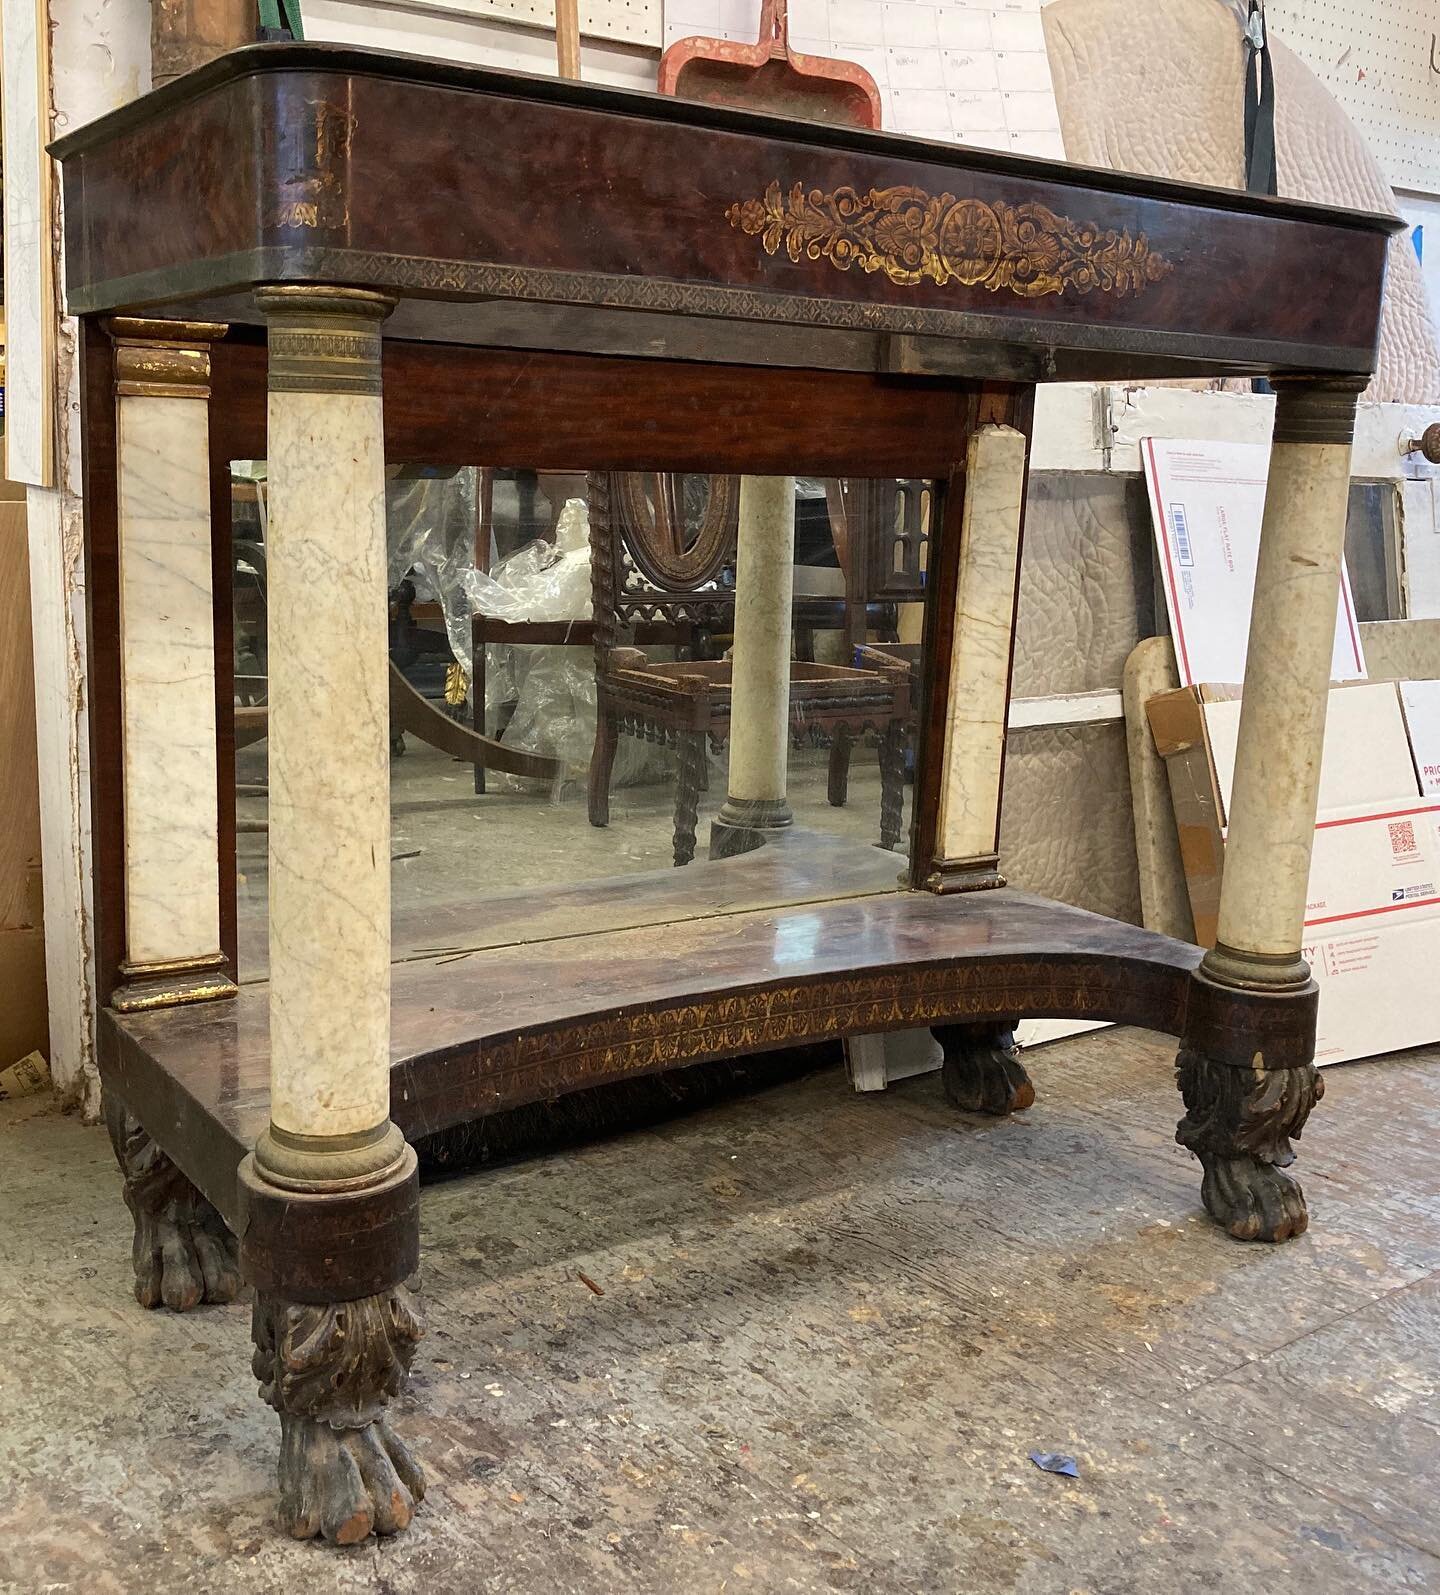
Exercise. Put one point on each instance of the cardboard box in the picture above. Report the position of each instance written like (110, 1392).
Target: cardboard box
(1421, 702)
(1378, 991)
(1366, 758)
(1372, 929)
(1366, 761)
(1372, 918)
(1374, 861)
(1207, 501)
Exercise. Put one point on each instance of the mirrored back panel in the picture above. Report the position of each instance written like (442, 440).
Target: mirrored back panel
(597, 676)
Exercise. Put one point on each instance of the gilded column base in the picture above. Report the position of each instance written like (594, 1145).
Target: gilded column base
(171, 984)
(745, 824)
(329, 1165)
(978, 874)
(1278, 973)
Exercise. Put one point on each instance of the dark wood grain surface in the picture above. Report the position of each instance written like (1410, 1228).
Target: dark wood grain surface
(447, 404)
(463, 185)
(102, 653)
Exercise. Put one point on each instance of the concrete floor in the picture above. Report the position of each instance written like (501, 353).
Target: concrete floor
(832, 1329)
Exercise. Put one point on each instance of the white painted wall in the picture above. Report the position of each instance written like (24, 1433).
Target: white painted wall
(100, 58)
(455, 34)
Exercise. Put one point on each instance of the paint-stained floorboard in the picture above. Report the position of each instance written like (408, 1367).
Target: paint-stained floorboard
(832, 1329)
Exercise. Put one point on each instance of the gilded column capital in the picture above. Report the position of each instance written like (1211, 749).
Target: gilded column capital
(323, 339)
(1319, 409)
(163, 359)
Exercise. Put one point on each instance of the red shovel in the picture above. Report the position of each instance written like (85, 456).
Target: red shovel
(769, 76)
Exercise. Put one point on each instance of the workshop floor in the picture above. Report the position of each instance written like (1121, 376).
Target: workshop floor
(832, 1330)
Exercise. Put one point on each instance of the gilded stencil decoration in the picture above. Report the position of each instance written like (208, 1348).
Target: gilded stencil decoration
(911, 235)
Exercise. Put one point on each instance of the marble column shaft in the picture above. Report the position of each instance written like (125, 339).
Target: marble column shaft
(760, 702)
(329, 823)
(1287, 681)
(167, 665)
(975, 714)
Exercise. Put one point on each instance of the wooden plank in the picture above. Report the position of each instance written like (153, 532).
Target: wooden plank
(450, 405)
(23, 1016)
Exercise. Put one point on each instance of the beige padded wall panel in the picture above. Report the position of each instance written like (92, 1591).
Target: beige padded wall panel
(1086, 597)
(1156, 88)
(1065, 828)
(1087, 592)
(1401, 650)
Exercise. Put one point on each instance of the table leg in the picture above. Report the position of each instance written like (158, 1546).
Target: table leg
(982, 1070)
(757, 806)
(1246, 1066)
(330, 1219)
(183, 1254)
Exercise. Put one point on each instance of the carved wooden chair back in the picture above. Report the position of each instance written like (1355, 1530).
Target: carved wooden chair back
(882, 533)
(662, 548)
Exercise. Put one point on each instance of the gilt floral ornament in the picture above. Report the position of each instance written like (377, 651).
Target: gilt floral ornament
(911, 235)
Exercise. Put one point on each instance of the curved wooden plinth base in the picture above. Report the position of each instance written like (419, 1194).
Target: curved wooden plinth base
(679, 969)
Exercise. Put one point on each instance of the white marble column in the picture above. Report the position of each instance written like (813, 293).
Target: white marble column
(167, 665)
(967, 832)
(329, 744)
(1287, 686)
(756, 803)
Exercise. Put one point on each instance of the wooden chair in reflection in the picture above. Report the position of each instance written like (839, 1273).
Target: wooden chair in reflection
(882, 537)
(663, 549)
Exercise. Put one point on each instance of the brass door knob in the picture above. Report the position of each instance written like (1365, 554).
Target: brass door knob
(1428, 444)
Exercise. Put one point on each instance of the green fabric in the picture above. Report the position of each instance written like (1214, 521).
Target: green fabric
(278, 16)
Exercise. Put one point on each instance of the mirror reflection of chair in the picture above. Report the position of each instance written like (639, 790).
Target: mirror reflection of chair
(664, 548)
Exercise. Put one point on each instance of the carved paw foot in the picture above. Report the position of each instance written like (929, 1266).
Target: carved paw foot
(982, 1072)
(1240, 1121)
(1254, 1201)
(183, 1253)
(345, 1484)
(330, 1369)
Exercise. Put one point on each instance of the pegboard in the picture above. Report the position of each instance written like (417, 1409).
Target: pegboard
(1381, 60)
(620, 21)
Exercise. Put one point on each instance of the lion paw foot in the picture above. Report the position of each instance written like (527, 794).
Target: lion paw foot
(184, 1255)
(982, 1072)
(1254, 1201)
(345, 1484)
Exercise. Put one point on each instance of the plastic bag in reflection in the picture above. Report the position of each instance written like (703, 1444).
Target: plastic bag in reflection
(540, 581)
(430, 532)
(553, 685)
